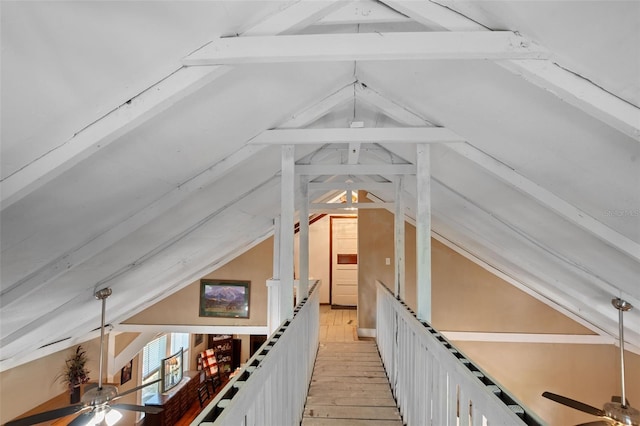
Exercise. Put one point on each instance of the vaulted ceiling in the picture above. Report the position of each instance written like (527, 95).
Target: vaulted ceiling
(140, 142)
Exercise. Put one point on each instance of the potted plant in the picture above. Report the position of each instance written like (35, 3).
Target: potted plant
(75, 373)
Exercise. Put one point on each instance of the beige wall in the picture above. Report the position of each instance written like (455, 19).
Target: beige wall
(34, 383)
(182, 307)
(466, 297)
(483, 302)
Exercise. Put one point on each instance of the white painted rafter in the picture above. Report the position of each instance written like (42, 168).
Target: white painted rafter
(309, 115)
(68, 261)
(351, 186)
(357, 135)
(491, 45)
(549, 199)
(105, 130)
(511, 177)
(355, 169)
(136, 111)
(13, 292)
(566, 85)
(300, 14)
(342, 207)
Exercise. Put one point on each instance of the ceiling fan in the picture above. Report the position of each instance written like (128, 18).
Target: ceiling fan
(97, 404)
(618, 412)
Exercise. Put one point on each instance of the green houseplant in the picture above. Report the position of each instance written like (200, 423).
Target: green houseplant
(75, 373)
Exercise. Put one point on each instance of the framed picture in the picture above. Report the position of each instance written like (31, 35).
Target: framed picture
(198, 339)
(125, 372)
(220, 298)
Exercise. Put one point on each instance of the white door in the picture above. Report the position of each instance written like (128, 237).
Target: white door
(344, 261)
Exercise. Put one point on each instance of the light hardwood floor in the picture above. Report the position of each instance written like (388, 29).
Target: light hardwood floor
(349, 385)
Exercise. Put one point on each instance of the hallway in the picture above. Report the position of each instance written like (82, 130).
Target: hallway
(349, 385)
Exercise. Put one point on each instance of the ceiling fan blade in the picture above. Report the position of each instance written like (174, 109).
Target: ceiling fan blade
(596, 423)
(142, 408)
(136, 389)
(47, 415)
(577, 405)
(82, 420)
(618, 399)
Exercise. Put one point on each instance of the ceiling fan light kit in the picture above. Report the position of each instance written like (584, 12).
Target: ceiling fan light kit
(95, 406)
(619, 411)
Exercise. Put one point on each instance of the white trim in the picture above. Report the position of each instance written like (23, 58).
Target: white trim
(356, 135)
(366, 332)
(202, 329)
(355, 169)
(581, 339)
(428, 45)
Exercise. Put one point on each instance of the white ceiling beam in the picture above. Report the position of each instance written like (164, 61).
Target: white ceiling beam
(577, 339)
(356, 135)
(341, 207)
(491, 45)
(355, 169)
(566, 85)
(142, 107)
(581, 93)
(511, 177)
(352, 186)
(311, 114)
(549, 199)
(389, 108)
(68, 261)
(295, 17)
(354, 153)
(105, 130)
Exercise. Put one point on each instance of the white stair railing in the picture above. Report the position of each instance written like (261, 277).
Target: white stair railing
(272, 388)
(433, 383)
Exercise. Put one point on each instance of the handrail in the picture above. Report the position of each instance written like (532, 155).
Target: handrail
(432, 381)
(272, 387)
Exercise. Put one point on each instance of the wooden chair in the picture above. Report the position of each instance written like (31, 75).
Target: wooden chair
(211, 370)
(203, 393)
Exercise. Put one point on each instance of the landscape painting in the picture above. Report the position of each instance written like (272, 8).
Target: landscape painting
(224, 298)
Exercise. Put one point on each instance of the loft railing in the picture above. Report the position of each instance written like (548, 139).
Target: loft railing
(272, 388)
(433, 383)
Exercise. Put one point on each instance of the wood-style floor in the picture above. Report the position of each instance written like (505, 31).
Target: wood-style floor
(349, 385)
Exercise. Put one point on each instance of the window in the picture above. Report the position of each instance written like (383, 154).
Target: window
(153, 354)
(181, 340)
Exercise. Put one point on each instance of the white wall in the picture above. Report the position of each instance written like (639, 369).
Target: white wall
(319, 262)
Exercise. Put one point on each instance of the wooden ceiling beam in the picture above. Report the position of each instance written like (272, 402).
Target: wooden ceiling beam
(491, 45)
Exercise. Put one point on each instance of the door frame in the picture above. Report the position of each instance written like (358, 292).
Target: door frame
(331, 217)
